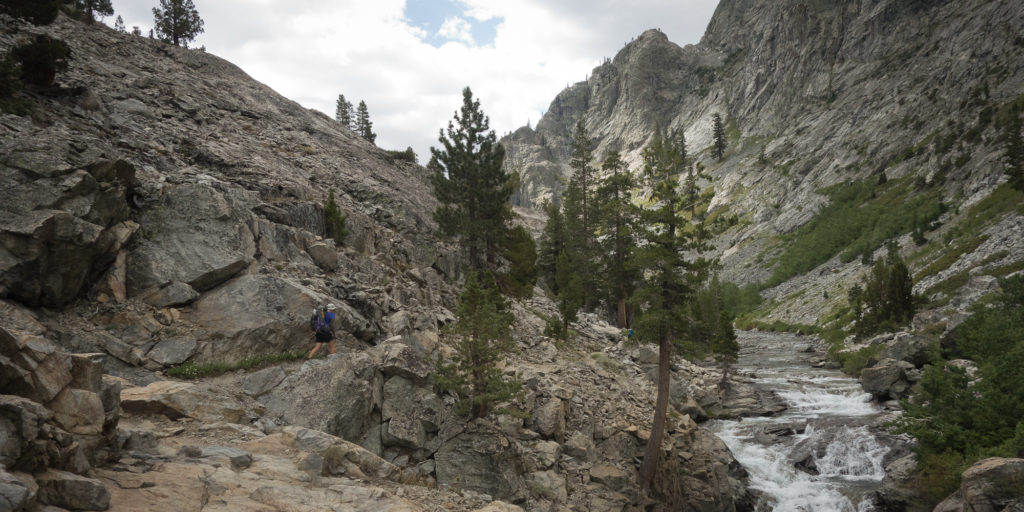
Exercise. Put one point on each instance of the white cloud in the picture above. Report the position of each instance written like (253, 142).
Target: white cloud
(456, 29)
(312, 50)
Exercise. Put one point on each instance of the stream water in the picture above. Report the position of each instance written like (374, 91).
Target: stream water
(825, 431)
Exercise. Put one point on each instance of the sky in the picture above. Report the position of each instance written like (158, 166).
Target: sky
(410, 59)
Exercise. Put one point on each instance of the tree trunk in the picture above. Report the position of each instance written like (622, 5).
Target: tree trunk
(650, 462)
(622, 312)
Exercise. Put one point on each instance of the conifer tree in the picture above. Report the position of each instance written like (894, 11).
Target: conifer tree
(669, 278)
(334, 221)
(718, 132)
(580, 216)
(556, 271)
(472, 188)
(1013, 155)
(343, 111)
(363, 125)
(119, 24)
(136, 30)
(177, 21)
(483, 337)
(520, 251)
(887, 300)
(91, 8)
(550, 245)
(617, 219)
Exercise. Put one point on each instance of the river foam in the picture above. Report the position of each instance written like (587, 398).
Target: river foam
(817, 456)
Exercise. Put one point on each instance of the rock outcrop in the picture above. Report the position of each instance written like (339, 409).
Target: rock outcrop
(58, 419)
(989, 485)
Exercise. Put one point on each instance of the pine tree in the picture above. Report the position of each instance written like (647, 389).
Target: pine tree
(343, 111)
(90, 8)
(719, 136)
(363, 125)
(550, 245)
(580, 216)
(887, 299)
(520, 251)
(556, 271)
(617, 219)
(483, 337)
(470, 184)
(1013, 155)
(569, 297)
(669, 278)
(177, 21)
(136, 30)
(119, 24)
(334, 221)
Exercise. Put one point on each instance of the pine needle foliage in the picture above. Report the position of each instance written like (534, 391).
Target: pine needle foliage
(334, 221)
(177, 21)
(580, 212)
(470, 184)
(617, 218)
(670, 277)
(482, 336)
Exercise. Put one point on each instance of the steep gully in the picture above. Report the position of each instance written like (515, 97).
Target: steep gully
(820, 454)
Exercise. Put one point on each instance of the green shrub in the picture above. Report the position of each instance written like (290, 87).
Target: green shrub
(855, 361)
(860, 216)
(191, 371)
(10, 86)
(405, 156)
(958, 421)
(41, 60)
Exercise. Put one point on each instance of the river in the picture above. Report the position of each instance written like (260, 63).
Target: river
(825, 430)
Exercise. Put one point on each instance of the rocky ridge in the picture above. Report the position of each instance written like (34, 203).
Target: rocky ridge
(813, 94)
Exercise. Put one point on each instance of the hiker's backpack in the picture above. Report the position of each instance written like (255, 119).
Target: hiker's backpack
(314, 322)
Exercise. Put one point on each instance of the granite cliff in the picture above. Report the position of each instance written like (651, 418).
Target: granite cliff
(813, 94)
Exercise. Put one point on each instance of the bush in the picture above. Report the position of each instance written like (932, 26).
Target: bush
(958, 420)
(406, 156)
(41, 60)
(192, 371)
(10, 85)
(860, 216)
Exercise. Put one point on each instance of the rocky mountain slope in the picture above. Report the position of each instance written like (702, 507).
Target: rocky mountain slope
(814, 94)
(166, 209)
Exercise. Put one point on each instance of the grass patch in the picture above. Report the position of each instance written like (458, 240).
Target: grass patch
(192, 371)
(860, 216)
(949, 258)
(1004, 199)
(856, 360)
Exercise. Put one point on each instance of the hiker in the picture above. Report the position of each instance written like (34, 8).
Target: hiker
(321, 324)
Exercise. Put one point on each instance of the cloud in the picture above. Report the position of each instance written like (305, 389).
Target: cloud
(411, 76)
(456, 29)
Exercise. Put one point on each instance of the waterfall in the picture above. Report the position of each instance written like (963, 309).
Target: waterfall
(819, 455)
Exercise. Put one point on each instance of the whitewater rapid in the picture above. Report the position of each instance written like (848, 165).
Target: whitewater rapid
(825, 429)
